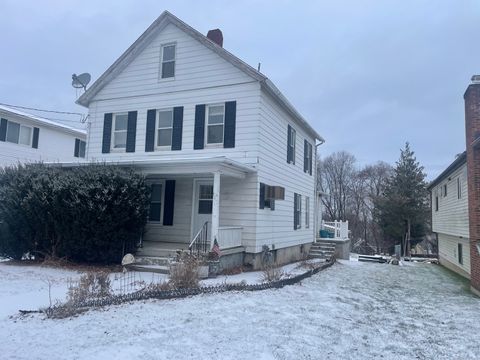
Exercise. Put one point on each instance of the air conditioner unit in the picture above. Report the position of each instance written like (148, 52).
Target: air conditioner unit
(274, 192)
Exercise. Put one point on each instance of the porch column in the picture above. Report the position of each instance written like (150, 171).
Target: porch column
(215, 207)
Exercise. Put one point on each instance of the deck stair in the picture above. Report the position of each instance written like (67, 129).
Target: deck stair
(322, 249)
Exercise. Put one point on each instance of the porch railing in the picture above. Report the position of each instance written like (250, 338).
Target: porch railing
(200, 243)
(229, 236)
(338, 228)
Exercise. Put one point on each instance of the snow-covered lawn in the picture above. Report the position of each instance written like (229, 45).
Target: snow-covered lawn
(351, 310)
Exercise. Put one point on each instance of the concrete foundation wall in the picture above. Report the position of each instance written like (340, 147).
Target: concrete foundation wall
(280, 256)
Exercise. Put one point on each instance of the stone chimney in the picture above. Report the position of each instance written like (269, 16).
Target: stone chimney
(216, 36)
(472, 130)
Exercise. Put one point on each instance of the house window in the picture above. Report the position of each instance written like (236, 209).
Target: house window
(460, 253)
(168, 61)
(215, 124)
(120, 131)
(155, 202)
(292, 135)
(19, 134)
(445, 190)
(205, 199)
(308, 158)
(80, 146)
(297, 211)
(165, 128)
(436, 202)
(265, 201)
(307, 212)
(459, 188)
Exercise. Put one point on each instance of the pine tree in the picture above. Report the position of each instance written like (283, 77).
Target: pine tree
(403, 209)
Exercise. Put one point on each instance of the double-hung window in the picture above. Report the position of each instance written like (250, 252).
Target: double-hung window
(120, 131)
(155, 203)
(165, 128)
(168, 61)
(215, 124)
(297, 211)
(19, 134)
(291, 140)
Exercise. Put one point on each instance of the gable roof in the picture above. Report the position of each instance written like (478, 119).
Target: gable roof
(459, 161)
(6, 110)
(160, 23)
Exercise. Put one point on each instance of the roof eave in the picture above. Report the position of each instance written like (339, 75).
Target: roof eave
(457, 163)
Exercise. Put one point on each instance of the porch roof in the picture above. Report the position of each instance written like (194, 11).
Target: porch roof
(181, 166)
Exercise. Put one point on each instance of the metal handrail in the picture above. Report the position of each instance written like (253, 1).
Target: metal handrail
(199, 243)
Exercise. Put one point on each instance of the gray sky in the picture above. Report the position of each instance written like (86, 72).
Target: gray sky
(368, 75)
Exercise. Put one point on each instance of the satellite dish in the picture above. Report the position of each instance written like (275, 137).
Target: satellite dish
(81, 81)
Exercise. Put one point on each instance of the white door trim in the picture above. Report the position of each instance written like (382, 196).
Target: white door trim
(194, 204)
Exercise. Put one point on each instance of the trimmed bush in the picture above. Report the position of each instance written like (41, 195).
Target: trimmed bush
(93, 213)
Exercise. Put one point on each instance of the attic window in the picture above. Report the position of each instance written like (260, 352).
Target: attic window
(168, 61)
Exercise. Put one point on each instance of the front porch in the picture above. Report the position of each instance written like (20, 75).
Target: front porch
(195, 202)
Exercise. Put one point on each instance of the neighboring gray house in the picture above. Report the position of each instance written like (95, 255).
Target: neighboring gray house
(26, 138)
(449, 193)
(226, 154)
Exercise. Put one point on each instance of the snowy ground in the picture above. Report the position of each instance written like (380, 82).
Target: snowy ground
(350, 311)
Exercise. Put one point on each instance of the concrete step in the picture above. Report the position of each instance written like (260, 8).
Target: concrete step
(152, 260)
(160, 249)
(150, 268)
(323, 247)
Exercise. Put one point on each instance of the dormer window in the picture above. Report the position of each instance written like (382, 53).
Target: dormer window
(168, 61)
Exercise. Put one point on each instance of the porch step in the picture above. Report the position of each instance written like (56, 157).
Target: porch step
(322, 250)
(160, 249)
(150, 268)
(152, 260)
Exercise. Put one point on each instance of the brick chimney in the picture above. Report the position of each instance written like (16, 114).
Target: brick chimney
(472, 130)
(216, 36)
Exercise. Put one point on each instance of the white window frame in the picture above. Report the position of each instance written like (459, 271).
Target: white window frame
(157, 128)
(168, 61)
(19, 131)
(293, 144)
(307, 212)
(207, 113)
(162, 202)
(112, 145)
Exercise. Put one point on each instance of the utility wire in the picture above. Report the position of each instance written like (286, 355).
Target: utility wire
(82, 116)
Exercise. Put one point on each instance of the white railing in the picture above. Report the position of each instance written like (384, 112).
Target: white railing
(229, 236)
(339, 229)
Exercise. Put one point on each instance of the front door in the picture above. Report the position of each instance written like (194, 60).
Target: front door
(202, 211)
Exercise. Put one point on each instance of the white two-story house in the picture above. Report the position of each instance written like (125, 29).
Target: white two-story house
(227, 155)
(26, 138)
(449, 194)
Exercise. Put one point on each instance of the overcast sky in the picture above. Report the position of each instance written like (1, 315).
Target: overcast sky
(368, 75)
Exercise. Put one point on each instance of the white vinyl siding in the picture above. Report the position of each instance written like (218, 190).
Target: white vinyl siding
(448, 246)
(452, 214)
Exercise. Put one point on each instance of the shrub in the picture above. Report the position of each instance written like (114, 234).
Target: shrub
(90, 286)
(272, 273)
(184, 273)
(92, 213)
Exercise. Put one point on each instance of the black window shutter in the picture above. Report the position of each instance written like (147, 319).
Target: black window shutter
(3, 129)
(261, 199)
(295, 213)
(36, 133)
(305, 155)
(177, 128)
(169, 202)
(199, 134)
(230, 123)
(131, 131)
(150, 134)
(107, 133)
(289, 147)
(77, 148)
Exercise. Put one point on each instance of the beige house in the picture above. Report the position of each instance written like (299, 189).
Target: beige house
(449, 192)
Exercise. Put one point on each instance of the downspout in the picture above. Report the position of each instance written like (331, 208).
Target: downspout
(317, 200)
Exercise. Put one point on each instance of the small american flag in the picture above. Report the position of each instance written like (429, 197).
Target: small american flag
(216, 248)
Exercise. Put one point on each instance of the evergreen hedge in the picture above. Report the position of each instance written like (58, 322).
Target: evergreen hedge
(93, 213)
